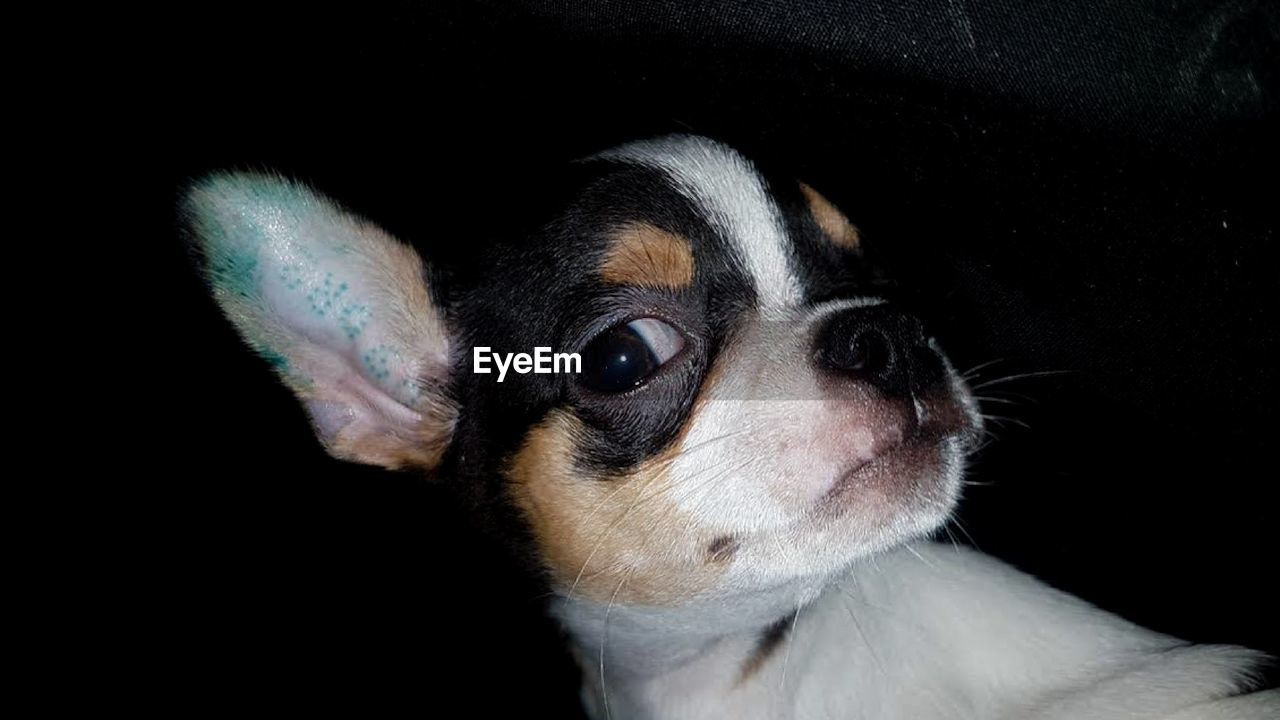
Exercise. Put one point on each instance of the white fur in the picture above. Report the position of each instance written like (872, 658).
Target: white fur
(731, 195)
(929, 632)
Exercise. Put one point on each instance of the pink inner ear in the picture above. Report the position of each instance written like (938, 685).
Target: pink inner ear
(356, 420)
(352, 402)
(356, 350)
(329, 418)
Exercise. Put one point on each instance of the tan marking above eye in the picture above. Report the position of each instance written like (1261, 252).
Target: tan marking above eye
(833, 223)
(641, 254)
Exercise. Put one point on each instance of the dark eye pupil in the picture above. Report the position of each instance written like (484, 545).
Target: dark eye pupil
(618, 360)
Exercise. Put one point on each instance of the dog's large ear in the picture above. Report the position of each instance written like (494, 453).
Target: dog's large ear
(339, 308)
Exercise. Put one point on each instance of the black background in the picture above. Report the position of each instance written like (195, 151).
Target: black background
(1087, 192)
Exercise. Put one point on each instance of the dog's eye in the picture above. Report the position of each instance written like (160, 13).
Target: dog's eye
(625, 356)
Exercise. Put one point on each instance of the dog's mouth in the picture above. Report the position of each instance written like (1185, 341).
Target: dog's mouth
(915, 466)
(899, 463)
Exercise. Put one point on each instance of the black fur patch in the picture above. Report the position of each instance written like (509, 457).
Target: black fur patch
(770, 640)
(723, 549)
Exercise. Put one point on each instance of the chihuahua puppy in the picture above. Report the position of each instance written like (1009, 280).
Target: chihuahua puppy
(728, 494)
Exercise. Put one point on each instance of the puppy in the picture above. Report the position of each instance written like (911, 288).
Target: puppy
(727, 492)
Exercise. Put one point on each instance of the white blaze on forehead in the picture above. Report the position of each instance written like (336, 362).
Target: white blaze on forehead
(729, 191)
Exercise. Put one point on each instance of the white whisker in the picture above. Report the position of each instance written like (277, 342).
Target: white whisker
(1005, 419)
(786, 658)
(604, 637)
(992, 399)
(972, 372)
(853, 616)
(922, 559)
(1021, 376)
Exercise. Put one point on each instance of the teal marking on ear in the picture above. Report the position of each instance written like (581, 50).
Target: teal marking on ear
(235, 227)
(281, 365)
(334, 306)
(277, 361)
(375, 362)
(411, 389)
(352, 318)
(232, 216)
(299, 278)
(234, 270)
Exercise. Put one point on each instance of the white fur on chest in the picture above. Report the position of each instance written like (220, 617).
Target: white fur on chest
(918, 634)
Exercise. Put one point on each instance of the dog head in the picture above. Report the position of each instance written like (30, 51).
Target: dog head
(748, 409)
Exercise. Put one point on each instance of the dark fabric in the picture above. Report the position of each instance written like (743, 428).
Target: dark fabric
(1160, 66)
(1086, 189)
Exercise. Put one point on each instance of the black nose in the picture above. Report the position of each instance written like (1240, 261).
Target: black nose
(879, 345)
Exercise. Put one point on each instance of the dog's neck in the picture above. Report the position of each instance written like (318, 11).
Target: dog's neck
(930, 631)
(634, 646)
